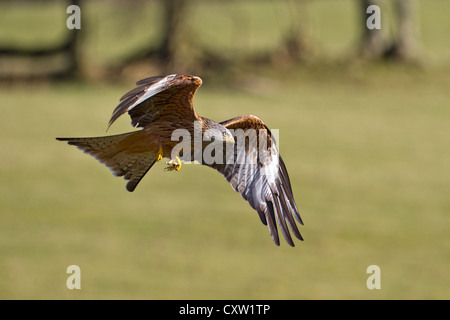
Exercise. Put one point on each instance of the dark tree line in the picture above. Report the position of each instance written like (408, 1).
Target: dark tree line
(66, 51)
(169, 52)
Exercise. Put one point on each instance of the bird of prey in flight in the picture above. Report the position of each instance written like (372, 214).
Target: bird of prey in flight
(242, 149)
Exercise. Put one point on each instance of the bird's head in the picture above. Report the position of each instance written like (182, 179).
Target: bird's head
(189, 80)
(217, 133)
(227, 136)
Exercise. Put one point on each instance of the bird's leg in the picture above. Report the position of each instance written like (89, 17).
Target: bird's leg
(174, 164)
(160, 154)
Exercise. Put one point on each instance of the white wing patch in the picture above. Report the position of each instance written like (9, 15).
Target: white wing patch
(154, 89)
(270, 169)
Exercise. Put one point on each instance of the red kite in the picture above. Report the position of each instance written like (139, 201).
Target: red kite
(161, 105)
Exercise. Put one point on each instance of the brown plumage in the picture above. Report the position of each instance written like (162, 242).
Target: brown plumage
(244, 149)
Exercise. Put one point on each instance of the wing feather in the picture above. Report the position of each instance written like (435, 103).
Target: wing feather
(164, 97)
(264, 183)
(270, 217)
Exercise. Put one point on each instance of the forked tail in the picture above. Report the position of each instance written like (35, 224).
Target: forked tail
(129, 155)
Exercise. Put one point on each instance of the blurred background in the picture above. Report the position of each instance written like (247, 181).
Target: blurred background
(364, 131)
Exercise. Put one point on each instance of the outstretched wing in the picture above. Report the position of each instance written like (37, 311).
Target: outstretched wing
(255, 169)
(169, 98)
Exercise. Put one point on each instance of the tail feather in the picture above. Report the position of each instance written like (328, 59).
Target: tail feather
(129, 155)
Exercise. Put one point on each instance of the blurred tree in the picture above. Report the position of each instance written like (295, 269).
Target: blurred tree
(178, 49)
(375, 43)
(294, 46)
(70, 48)
(168, 52)
(172, 30)
(405, 46)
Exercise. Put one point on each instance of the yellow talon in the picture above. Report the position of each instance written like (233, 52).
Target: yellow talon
(159, 155)
(174, 165)
(178, 165)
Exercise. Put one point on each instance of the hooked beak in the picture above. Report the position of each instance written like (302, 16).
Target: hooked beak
(228, 137)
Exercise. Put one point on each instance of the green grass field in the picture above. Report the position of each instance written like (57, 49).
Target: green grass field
(367, 149)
